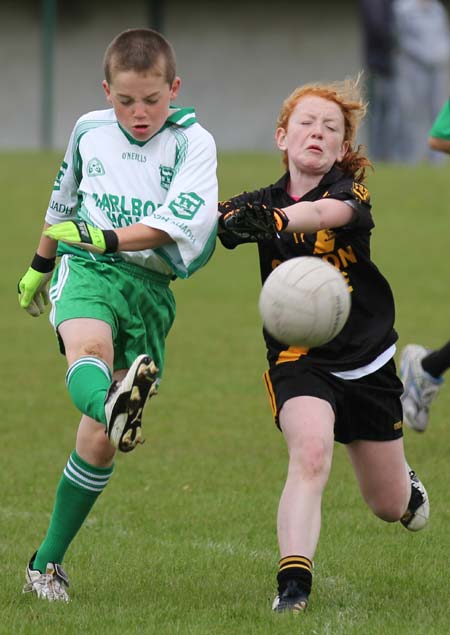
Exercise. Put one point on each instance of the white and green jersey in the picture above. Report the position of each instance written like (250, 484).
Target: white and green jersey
(169, 182)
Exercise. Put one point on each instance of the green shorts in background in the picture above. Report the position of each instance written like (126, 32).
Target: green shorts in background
(137, 303)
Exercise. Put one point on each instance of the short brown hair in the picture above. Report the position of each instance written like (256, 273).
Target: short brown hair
(347, 96)
(139, 50)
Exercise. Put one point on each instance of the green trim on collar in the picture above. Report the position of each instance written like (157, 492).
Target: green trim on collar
(182, 117)
(131, 139)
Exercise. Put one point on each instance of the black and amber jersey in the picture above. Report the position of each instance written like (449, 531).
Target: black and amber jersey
(369, 330)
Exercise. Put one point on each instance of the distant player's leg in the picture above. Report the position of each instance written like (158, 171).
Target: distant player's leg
(437, 362)
(307, 425)
(389, 486)
(421, 371)
(85, 476)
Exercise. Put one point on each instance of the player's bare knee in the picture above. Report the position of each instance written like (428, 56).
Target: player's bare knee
(389, 510)
(312, 461)
(98, 349)
(94, 349)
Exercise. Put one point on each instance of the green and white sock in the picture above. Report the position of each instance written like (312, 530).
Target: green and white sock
(78, 489)
(88, 380)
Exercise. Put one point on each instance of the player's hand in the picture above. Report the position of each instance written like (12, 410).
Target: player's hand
(81, 234)
(253, 221)
(33, 293)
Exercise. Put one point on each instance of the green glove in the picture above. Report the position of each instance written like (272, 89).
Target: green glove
(33, 293)
(88, 237)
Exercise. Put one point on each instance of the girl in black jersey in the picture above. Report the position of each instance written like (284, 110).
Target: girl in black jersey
(348, 389)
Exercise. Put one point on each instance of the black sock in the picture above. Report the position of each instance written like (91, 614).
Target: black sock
(298, 568)
(437, 362)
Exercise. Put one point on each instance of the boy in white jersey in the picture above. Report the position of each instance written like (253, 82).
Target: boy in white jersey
(134, 205)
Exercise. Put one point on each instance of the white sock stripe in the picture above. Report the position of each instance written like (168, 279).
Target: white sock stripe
(74, 467)
(84, 482)
(88, 361)
(94, 361)
(83, 485)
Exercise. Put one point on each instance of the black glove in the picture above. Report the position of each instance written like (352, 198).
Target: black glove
(252, 221)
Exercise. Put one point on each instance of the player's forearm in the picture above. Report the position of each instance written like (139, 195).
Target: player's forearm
(139, 236)
(310, 217)
(441, 145)
(47, 246)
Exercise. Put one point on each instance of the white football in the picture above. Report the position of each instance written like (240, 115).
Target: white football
(304, 302)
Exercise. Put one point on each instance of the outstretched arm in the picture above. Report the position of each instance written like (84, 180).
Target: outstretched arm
(258, 222)
(139, 236)
(310, 217)
(133, 238)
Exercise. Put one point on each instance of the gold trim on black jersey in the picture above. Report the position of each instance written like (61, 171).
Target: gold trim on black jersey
(291, 354)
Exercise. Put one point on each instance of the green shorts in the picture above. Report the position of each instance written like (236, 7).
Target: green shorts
(137, 303)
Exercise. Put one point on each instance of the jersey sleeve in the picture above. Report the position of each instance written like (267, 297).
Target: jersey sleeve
(441, 126)
(189, 213)
(357, 196)
(64, 198)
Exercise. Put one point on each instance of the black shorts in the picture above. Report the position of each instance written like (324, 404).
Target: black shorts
(368, 408)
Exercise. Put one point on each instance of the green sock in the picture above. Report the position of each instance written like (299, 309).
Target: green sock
(78, 489)
(88, 380)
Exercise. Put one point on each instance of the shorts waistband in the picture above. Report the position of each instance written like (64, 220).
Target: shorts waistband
(115, 261)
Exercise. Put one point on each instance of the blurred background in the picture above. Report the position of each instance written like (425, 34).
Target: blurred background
(237, 61)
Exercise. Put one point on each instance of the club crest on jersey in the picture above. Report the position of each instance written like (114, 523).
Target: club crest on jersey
(361, 192)
(95, 168)
(166, 175)
(186, 205)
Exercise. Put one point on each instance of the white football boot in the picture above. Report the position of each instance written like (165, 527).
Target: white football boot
(416, 516)
(50, 585)
(125, 402)
(419, 387)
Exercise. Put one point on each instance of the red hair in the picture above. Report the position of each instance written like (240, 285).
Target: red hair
(347, 96)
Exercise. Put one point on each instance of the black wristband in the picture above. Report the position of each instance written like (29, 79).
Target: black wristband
(111, 240)
(41, 264)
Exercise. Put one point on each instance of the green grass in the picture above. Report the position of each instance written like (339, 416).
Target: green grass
(183, 540)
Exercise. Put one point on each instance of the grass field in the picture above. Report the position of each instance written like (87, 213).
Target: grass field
(183, 540)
